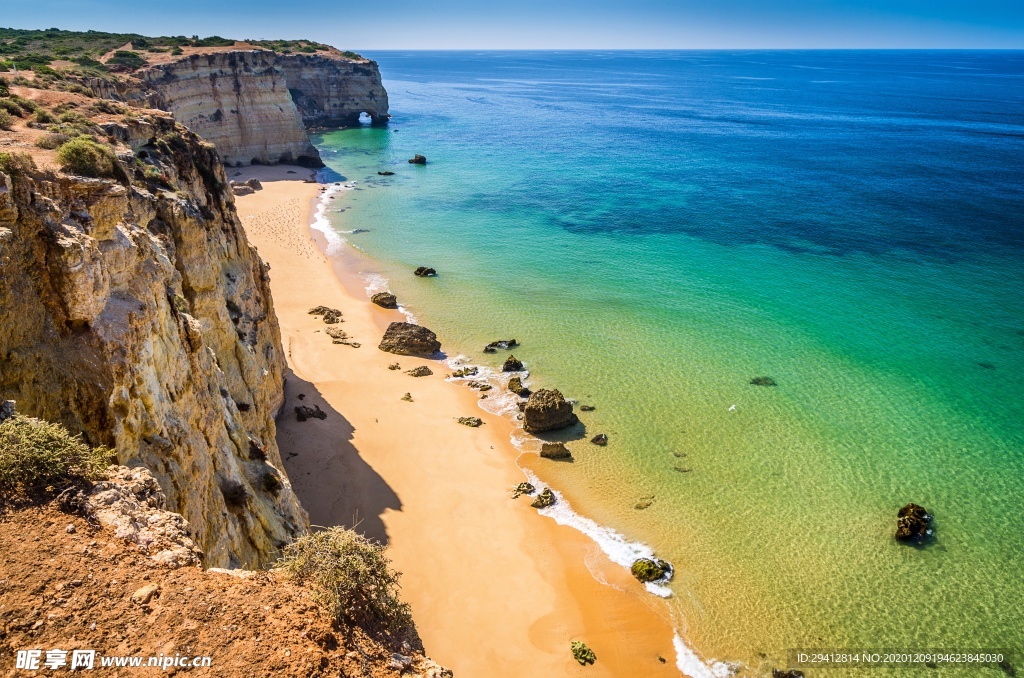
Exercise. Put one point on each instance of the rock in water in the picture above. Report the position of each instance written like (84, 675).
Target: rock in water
(418, 160)
(544, 499)
(465, 372)
(425, 272)
(504, 344)
(787, 673)
(512, 364)
(912, 523)
(600, 439)
(385, 300)
(650, 569)
(555, 451)
(421, 371)
(583, 654)
(763, 381)
(547, 410)
(587, 408)
(515, 384)
(408, 339)
(386, 174)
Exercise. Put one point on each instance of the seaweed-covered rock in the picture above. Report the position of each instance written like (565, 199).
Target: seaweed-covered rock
(583, 654)
(523, 488)
(544, 499)
(515, 384)
(302, 413)
(555, 451)
(512, 364)
(409, 339)
(472, 422)
(421, 371)
(385, 300)
(425, 272)
(912, 523)
(600, 439)
(418, 160)
(763, 381)
(547, 410)
(503, 344)
(650, 569)
(587, 408)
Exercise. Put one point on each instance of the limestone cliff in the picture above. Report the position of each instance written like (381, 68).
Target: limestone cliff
(135, 311)
(255, 105)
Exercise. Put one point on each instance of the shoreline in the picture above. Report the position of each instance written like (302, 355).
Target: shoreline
(496, 589)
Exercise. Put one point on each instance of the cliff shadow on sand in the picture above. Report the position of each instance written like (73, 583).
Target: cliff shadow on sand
(333, 482)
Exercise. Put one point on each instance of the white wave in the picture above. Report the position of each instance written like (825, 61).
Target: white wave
(320, 221)
(693, 666)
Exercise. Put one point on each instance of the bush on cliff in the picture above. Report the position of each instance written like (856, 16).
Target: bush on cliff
(6, 121)
(16, 163)
(351, 579)
(86, 157)
(39, 457)
(5, 90)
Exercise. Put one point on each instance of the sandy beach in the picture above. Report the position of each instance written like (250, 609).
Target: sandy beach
(495, 588)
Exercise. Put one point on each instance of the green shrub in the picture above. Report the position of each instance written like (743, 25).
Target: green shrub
(27, 105)
(352, 579)
(11, 107)
(72, 117)
(86, 157)
(125, 58)
(39, 457)
(109, 107)
(5, 89)
(43, 116)
(16, 163)
(177, 51)
(6, 121)
(52, 141)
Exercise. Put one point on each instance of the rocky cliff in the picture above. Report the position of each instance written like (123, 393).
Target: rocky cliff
(255, 105)
(134, 310)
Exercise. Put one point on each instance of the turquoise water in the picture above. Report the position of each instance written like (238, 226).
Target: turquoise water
(657, 228)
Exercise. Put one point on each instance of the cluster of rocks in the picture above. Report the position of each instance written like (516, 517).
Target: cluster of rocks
(465, 372)
(302, 412)
(523, 488)
(246, 187)
(581, 653)
(913, 524)
(331, 316)
(339, 336)
(385, 300)
(404, 338)
(504, 344)
(425, 272)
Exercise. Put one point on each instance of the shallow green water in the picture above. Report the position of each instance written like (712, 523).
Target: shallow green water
(654, 277)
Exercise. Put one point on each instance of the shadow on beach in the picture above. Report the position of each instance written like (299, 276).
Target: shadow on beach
(333, 482)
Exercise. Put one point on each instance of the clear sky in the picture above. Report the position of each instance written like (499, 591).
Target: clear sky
(552, 24)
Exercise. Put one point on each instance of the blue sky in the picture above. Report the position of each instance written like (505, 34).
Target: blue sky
(549, 24)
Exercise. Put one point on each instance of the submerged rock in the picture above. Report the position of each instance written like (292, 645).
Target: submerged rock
(555, 451)
(425, 272)
(544, 499)
(583, 654)
(547, 410)
(523, 488)
(472, 422)
(409, 339)
(503, 344)
(386, 174)
(763, 381)
(650, 569)
(912, 523)
(385, 300)
(587, 408)
(421, 371)
(515, 384)
(418, 160)
(302, 413)
(644, 503)
(512, 364)
(600, 439)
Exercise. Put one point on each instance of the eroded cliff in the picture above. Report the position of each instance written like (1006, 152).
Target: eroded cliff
(255, 105)
(134, 310)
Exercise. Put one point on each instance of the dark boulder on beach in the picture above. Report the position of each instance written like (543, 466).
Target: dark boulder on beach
(418, 160)
(385, 300)
(650, 569)
(515, 384)
(512, 364)
(912, 523)
(472, 422)
(555, 451)
(302, 413)
(600, 439)
(409, 339)
(425, 272)
(421, 371)
(544, 499)
(547, 410)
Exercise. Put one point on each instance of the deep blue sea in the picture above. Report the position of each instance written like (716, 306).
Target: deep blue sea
(657, 229)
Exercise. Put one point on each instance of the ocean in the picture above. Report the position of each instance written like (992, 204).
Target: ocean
(659, 228)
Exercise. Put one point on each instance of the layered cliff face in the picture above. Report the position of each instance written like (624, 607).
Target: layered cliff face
(137, 313)
(255, 105)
